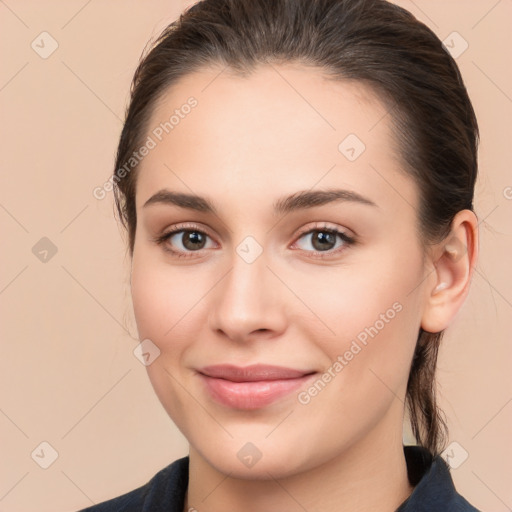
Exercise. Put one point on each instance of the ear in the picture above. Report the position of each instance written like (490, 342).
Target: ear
(453, 261)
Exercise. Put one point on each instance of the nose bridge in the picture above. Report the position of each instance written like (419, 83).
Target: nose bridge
(245, 300)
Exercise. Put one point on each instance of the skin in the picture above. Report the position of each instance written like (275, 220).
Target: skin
(249, 142)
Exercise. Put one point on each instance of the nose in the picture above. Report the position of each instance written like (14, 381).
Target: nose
(249, 302)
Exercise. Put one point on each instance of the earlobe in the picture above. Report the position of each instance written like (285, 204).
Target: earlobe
(453, 263)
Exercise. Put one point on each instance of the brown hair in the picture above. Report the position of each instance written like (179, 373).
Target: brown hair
(372, 41)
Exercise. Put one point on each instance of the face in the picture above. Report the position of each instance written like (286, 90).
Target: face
(270, 269)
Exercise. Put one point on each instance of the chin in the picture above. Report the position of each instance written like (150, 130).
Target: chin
(256, 460)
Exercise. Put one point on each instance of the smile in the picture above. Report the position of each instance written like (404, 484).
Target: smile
(251, 387)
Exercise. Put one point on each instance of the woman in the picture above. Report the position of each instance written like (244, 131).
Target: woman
(296, 178)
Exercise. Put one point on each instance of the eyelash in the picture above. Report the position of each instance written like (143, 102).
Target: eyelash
(184, 228)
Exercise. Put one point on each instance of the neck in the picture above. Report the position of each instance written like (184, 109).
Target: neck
(371, 475)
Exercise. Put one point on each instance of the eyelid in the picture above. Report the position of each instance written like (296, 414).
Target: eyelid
(186, 226)
(320, 226)
(192, 225)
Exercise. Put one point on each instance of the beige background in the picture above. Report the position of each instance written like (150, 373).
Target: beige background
(68, 376)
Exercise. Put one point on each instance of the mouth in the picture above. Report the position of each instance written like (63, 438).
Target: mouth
(252, 387)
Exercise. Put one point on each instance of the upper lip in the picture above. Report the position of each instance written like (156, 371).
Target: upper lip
(252, 373)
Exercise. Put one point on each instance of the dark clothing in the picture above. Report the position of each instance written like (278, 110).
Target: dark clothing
(434, 490)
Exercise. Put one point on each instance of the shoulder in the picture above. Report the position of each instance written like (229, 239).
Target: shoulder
(165, 491)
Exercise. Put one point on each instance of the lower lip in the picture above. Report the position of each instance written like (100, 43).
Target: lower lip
(251, 395)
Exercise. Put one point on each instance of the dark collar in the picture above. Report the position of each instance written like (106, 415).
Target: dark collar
(433, 485)
(433, 491)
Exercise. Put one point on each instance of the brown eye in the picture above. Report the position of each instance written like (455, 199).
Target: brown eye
(324, 241)
(192, 240)
(183, 242)
(186, 240)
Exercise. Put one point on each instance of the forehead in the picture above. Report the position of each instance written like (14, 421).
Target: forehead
(270, 98)
(279, 128)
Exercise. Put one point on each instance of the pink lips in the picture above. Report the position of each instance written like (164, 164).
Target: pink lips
(251, 387)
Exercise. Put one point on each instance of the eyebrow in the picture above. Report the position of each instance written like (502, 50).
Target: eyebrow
(297, 201)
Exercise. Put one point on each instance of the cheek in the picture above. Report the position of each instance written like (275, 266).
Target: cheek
(366, 370)
(375, 314)
(162, 297)
(375, 304)
(151, 299)
(163, 301)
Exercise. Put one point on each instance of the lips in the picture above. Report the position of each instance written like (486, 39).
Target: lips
(251, 373)
(251, 387)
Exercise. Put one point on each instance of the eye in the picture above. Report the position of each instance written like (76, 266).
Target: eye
(184, 240)
(325, 240)
(180, 241)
